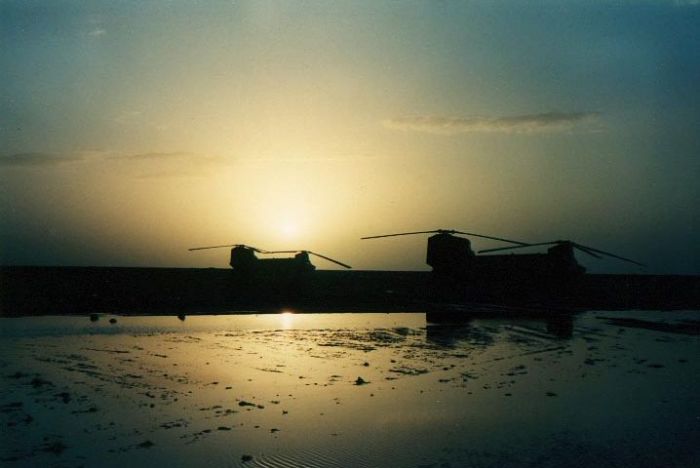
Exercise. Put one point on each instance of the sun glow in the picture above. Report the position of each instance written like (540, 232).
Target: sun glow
(287, 319)
(289, 229)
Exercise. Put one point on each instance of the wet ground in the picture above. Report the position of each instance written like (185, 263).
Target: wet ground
(609, 389)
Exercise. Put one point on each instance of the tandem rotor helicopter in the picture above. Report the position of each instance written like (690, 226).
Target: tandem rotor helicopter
(244, 260)
(451, 255)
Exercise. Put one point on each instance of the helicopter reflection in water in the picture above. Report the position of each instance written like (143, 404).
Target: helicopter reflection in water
(481, 331)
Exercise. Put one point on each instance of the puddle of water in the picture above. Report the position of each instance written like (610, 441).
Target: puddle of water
(348, 390)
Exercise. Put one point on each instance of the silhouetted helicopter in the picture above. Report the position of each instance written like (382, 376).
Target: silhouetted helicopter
(448, 254)
(452, 256)
(243, 259)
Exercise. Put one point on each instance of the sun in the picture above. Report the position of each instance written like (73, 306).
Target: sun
(289, 229)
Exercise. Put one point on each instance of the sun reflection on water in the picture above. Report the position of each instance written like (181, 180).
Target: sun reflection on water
(286, 319)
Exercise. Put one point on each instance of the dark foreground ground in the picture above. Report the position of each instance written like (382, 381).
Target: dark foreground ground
(80, 290)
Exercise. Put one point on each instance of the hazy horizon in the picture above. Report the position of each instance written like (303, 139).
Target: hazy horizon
(133, 131)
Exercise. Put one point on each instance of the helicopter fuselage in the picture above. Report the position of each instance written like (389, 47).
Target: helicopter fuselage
(453, 257)
(243, 260)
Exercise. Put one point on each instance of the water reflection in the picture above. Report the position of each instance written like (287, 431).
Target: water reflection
(561, 326)
(453, 335)
(481, 332)
(345, 390)
(287, 319)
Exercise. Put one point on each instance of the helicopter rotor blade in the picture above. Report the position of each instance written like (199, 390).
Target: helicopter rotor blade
(328, 258)
(447, 231)
(211, 247)
(586, 250)
(610, 254)
(522, 244)
(227, 245)
(511, 247)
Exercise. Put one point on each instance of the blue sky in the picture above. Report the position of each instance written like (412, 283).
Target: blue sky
(131, 131)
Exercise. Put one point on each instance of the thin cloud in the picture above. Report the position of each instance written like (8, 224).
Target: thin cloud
(528, 123)
(155, 165)
(150, 156)
(148, 164)
(36, 159)
(184, 172)
(172, 157)
(97, 32)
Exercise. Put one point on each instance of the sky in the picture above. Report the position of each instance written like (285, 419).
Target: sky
(131, 131)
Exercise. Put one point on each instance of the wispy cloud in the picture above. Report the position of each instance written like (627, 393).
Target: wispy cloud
(37, 159)
(172, 157)
(177, 172)
(95, 23)
(139, 165)
(150, 156)
(155, 164)
(528, 123)
(97, 32)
